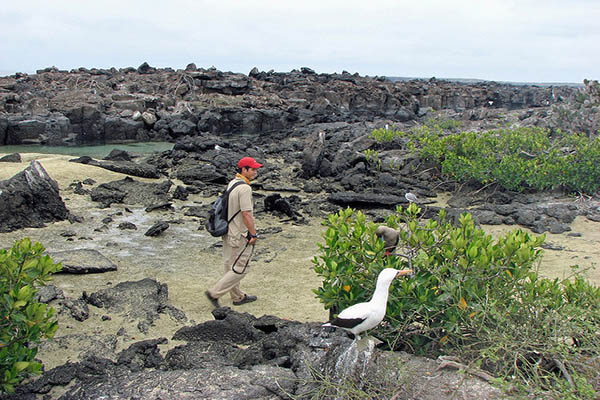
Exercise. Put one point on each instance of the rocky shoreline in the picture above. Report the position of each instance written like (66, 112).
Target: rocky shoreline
(129, 228)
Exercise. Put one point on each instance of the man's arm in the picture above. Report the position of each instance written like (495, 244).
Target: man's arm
(249, 222)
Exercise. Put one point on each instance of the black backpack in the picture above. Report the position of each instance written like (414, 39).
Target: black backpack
(218, 223)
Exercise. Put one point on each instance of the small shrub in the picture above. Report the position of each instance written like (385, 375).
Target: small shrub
(386, 135)
(23, 320)
(449, 124)
(372, 157)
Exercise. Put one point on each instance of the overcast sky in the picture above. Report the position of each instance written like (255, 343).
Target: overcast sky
(503, 40)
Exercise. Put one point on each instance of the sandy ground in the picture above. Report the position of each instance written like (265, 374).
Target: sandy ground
(185, 258)
(583, 251)
(189, 260)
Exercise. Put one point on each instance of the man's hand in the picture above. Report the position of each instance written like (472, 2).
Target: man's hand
(249, 222)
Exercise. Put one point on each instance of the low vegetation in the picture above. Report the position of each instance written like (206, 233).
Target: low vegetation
(518, 159)
(473, 297)
(23, 320)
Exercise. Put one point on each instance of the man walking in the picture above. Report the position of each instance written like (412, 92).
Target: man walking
(238, 243)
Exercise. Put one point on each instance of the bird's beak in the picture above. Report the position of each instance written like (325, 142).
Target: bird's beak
(404, 272)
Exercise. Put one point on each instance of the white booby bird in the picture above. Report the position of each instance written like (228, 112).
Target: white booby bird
(364, 316)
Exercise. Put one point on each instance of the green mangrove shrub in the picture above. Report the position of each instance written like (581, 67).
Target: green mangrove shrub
(449, 124)
(472, 296)
(439, 125)
(372, 157)
(386, 135)
(23, 320)
(514, 158)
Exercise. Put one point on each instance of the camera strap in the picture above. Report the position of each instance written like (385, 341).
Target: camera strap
(247, 261)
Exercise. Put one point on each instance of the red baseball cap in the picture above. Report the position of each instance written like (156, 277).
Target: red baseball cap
(248, 162)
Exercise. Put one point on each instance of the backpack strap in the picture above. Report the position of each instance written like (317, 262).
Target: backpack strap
(234, 215)
(227, 194)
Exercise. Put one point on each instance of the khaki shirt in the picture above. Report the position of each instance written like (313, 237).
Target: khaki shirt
(239, 199)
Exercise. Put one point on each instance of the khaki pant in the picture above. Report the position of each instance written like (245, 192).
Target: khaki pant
(230, 282)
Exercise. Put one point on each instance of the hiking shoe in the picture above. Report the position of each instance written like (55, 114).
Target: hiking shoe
(213, 301)
(246, 299)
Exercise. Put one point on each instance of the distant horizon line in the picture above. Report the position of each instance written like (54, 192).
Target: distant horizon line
(476, 80)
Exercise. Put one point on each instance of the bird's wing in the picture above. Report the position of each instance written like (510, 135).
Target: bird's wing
(352, 316)
(347, 323)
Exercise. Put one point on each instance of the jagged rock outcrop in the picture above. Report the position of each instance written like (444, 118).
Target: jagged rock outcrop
(141, 300)
(157, 228)
(239, 356)
(142, 170)
(202, 173)
(14, 157)
(538, 212)
(51, 129)
(45, 294)
(119, 155)
(31, 198)
(83, 261)
(130, 191)
(86, 106)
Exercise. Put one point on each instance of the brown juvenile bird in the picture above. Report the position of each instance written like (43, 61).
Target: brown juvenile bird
(389, 236)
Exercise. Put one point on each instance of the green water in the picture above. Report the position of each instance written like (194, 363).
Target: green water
(92, 151)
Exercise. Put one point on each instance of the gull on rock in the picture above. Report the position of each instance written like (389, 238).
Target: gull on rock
(364, 316)
(411, 197)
